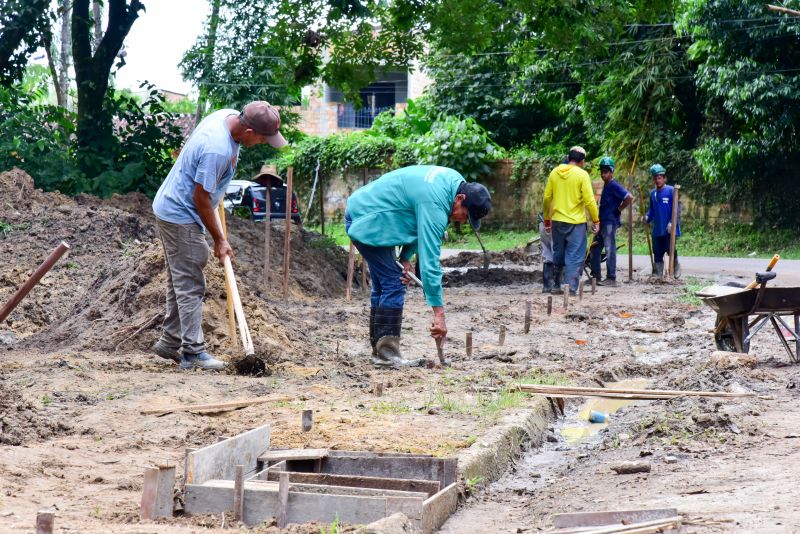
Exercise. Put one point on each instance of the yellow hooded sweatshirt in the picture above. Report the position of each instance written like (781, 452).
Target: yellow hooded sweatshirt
(569, 193)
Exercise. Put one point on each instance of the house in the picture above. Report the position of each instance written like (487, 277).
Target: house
(325, 112)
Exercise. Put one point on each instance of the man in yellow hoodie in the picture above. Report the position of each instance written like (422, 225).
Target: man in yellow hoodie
(567, 196)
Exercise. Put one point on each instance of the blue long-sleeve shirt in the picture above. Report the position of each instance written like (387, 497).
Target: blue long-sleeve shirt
(659, 214)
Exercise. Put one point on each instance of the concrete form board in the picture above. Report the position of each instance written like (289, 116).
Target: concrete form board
(430, 487)
(438, 508)
(218, 461)
(261, 503)
(441, 469)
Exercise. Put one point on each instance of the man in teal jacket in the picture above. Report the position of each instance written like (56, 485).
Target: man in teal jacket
(408, 208)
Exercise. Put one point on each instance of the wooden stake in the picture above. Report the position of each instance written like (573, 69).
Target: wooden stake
(267, 239)
(580, 290)
(307, 420)
(157, 492)
(288, 232)
(228, 298)
(44, 521)
(238, 493)
(469, 344)
(283, 499)
(351, 265)
(321, 207)
(502, 337)
(630, 238)
(566, 296)
(549, 305)
(377, 389)
(673, 234)
(186, 452)
(594, 285)
(527, 326)
(214, 406)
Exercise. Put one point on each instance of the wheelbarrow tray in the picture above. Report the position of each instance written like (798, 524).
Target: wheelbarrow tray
(732, 302)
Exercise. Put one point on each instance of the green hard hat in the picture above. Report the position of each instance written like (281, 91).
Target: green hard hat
(657, 169)
(607, 162)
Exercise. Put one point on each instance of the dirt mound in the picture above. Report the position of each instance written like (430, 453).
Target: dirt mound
(107, 293)
(21, 422)
(490, 277)
(517, 256)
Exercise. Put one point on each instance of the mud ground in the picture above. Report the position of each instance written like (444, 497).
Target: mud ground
(75, 371)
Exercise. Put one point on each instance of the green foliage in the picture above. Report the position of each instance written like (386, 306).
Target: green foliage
(461, 144)
(183, 106)
(24, 27)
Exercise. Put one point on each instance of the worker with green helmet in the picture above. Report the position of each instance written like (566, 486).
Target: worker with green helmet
(659, 215)
(613, 200)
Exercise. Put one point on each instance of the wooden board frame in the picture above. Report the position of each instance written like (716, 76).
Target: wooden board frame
(219, 461)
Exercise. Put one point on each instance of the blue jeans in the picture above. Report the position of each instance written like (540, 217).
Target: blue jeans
(387, 289)
(569, 251)
(606, 239)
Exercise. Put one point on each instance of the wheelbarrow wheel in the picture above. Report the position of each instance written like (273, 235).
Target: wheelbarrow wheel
(732, 333)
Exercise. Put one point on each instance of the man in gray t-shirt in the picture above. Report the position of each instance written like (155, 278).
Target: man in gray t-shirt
(184, 208)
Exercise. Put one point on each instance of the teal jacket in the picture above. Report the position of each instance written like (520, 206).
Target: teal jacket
(409, 207)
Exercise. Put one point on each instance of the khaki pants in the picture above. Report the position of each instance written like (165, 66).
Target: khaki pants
(186, 254)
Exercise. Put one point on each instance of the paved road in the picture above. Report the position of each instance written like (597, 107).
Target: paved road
(718, 269)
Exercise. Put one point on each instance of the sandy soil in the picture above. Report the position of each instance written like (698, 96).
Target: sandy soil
(75, 372)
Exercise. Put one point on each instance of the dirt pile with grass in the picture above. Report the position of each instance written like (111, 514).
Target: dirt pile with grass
(517, 256)
(107, 293)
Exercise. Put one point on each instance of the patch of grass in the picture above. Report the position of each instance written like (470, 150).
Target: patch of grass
(539, 377)
(505, 399)
(472, 484)
(5, 228)
(112, 395)
(389, 407)
(47, 399)
(690, 286)
(333, 529)
(71, 265)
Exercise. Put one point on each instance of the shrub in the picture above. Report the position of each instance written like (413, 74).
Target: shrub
(460, 144)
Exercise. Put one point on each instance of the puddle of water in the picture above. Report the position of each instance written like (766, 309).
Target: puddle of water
(582, 429)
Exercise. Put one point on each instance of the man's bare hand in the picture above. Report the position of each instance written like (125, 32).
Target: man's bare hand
(221, 249)
(439, 327)
(407, 268)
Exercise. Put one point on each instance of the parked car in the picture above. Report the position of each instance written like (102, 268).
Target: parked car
(234, 194)
(255, 200)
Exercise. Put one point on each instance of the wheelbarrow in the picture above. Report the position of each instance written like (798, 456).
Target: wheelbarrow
(742, 313)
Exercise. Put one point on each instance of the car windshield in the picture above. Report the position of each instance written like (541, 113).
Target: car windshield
(233, 190)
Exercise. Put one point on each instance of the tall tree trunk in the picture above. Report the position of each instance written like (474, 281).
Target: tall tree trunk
(92, 71)
(51, 64)
(64, 56)
(97, 18)
(208, 67)
(12, 34)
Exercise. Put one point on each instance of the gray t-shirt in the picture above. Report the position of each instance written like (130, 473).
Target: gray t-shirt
(208, 158)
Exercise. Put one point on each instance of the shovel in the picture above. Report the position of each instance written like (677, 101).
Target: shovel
(439, 349)
(485, 254)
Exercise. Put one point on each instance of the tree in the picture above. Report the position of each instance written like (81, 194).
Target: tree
(92, 71)
(23, 23)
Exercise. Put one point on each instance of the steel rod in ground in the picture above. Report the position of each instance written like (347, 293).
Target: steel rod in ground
(228, 298)
(29, 284)
(288, 232)
(469, 344)
(674, 232)
(351, 265)
(549, 305)
(527, 325)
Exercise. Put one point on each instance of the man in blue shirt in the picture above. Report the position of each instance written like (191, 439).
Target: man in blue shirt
(184, 208)
(659, 215)
(408, 208)
(613, 200)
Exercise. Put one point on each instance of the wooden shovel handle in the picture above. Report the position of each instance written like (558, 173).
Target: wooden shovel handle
(244, 332)
(772, 263)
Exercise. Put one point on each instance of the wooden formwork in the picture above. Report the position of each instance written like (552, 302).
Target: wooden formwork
(302, 485)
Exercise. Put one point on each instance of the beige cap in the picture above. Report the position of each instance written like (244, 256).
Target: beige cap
(578, 149)
(264, 119)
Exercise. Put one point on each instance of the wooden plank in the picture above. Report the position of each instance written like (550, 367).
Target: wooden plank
(218, 461)
(283, 499)
(438, 508)
(393, 467)
(213, 406)
(261, 503)
(157, 492)
(277, 455)
(340, 490)
(644, 527)
(371, 454)
(44, 521)
(671, 392)
(429, 487)
(597, 519)
(287, 242)
(238, 493)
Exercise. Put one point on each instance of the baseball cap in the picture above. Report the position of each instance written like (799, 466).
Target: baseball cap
(264, 119)
(478, 202)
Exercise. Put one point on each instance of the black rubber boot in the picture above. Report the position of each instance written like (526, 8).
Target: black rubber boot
(372, 340)
(387, 340)
(547, 277)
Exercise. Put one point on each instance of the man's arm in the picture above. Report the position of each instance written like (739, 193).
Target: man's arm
(626, 202)
(587, 194)
(202, 202)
